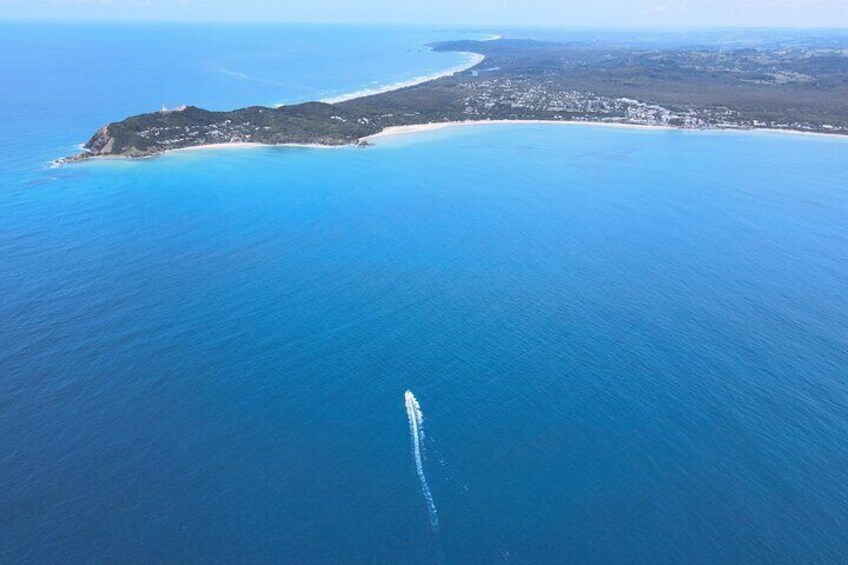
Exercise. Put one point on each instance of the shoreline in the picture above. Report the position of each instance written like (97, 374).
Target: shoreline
(474, 59)
(247, 145)
(433, 126)
(395, 131)
(205, 147)
(421, 128)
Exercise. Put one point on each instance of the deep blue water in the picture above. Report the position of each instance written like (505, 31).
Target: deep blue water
(629, 346)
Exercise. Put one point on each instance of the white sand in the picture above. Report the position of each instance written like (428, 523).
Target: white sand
(400, 130)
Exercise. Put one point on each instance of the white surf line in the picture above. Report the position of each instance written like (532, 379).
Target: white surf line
(473, 59)
(416, 430)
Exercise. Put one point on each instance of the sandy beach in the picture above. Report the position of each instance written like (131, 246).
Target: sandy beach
(421, 128)
(404, 130)
(474, 59)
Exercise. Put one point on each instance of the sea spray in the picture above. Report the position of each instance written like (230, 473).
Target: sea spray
(416, 430)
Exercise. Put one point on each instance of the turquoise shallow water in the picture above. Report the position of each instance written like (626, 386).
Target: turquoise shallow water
(628, 347)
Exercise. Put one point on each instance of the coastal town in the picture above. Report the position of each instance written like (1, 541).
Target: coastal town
(526, 99)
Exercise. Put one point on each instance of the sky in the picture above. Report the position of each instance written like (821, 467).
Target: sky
(557, 13)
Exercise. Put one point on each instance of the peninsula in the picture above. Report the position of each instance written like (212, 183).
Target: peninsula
(794, 88)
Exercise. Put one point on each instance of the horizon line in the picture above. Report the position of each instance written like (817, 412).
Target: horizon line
(476, 26)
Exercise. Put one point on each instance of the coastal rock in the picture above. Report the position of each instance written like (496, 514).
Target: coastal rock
(101, 143)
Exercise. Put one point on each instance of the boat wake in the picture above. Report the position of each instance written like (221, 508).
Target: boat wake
(416, 430)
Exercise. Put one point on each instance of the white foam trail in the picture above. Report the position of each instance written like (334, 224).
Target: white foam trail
(416, 430)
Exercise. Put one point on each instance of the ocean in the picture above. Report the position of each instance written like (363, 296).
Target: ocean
(620, 345)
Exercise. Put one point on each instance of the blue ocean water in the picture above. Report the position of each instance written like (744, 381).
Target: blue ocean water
(628, 346)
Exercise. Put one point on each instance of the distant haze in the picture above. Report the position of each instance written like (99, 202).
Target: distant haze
(563, 13)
